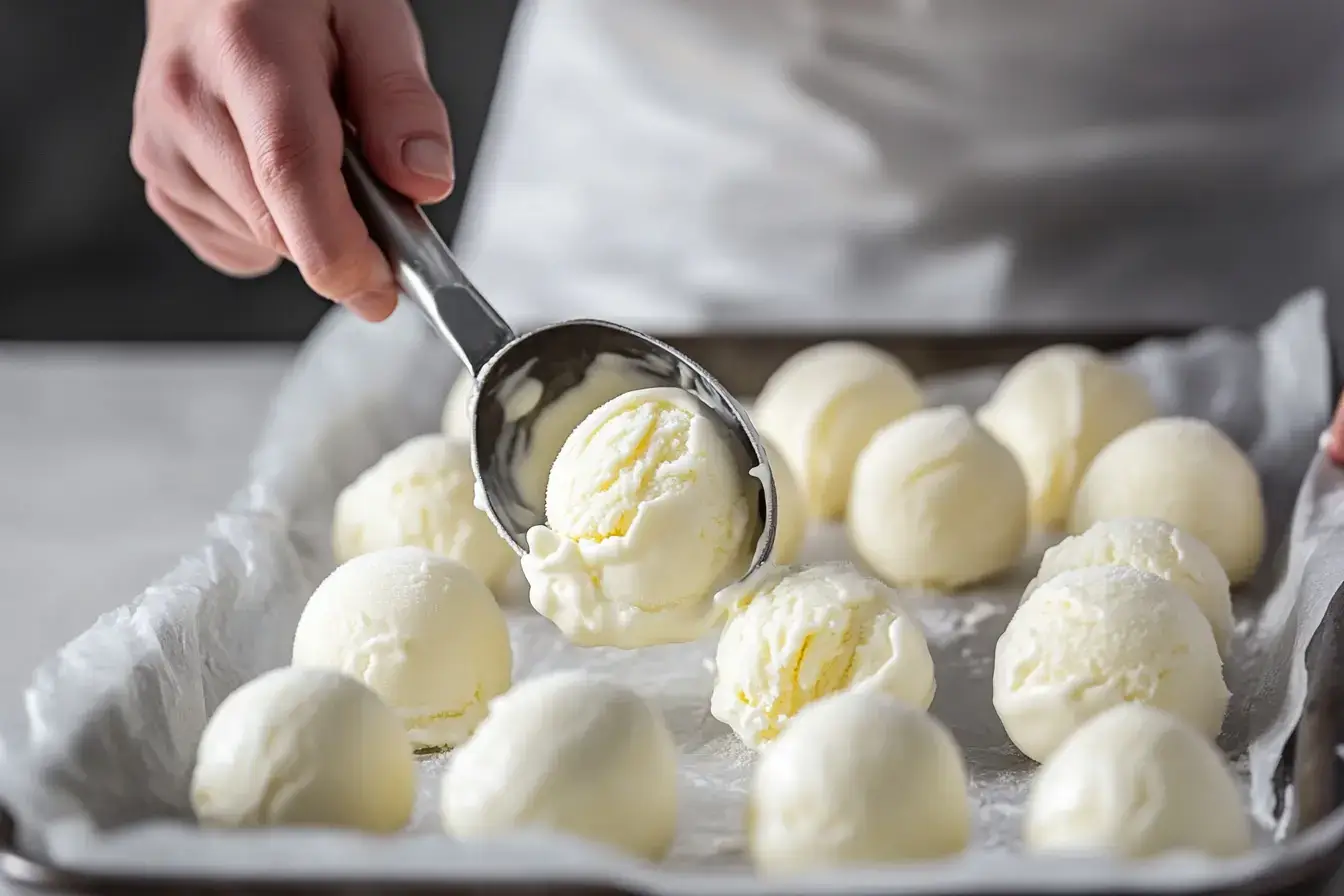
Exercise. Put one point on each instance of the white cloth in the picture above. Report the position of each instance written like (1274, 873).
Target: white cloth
(681, 164)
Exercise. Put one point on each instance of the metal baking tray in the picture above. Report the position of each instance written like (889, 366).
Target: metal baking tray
(1312, 768)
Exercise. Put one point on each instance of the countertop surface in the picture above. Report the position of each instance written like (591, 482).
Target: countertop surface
(112, 461)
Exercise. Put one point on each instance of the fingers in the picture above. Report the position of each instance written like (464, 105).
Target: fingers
(277, 91)
(168, 173)
(402, 123)
(1335, 447)
(223, 251)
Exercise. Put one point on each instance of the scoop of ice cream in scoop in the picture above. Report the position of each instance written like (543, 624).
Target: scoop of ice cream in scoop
(647, 516)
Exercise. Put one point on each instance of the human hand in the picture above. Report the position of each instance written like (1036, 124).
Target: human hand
(238, 134)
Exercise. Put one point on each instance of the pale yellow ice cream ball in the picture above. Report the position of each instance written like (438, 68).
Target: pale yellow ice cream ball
(304, 747)
(795, 635)
(1153, 546)
(1093, 638)
(422, 494)
(859, 778)
(937, 502)
(420, 630)
(569, 753)
(1055, 410)
(456, 423)
(823, 405)
(647, 516)
(1136, 782)
(1188, 473)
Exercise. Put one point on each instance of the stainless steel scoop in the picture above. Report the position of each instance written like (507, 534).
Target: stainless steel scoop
(556, 356)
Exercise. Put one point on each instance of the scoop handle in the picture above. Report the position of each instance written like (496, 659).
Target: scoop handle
(424, 268)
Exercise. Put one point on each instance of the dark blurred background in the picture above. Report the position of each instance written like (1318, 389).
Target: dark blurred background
(81, 255)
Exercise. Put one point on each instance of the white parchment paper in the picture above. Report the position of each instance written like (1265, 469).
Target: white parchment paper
(101, 783)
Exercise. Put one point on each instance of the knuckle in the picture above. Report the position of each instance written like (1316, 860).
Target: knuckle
(179, 82)
(405, 88)
(282, 157)
(146, 158)
(332, 269)
(240, 25)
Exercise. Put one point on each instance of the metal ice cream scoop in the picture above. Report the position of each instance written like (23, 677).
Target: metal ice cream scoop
(505, 364)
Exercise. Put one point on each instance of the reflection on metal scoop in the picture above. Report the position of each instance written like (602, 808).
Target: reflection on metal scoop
(556, 357)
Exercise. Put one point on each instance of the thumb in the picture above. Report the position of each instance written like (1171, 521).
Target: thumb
(402, 124)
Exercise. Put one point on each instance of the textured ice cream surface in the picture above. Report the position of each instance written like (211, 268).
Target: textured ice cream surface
(1153, 546)
(421, 631)
(304, 747)
(859, 778)
(422, 494)
(1136, 782)
(823, 405)
(1188, 473)
(568, 753)
(1093, 638)
(795, 635)
(937, 502)
(1055, 410)
(647, 516)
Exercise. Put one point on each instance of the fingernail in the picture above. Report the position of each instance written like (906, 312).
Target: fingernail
(429, 157)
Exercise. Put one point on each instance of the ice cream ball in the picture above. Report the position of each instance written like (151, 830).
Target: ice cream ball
(1186, 472)
(568, 753)
(1055, 410)
(304, 747)
(606, 377)
(1097, 637)
(859, 778)
(1135, 782)
(421, 494)
(1153, 546)
(795, 635)
(647, 516)
(456, 423)
(937, 502)
(790, 511)
(823, 405)
(420, 630)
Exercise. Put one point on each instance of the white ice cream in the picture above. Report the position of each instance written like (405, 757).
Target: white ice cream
(1186, 472)
(1055, 410)
(422, 631)
(1156, 547)
(795, 635)
(858, 779)
(1093, 638)
(647, 515)
(304, 747)
(1136, 782)
(422, 494)
(573, 754)
(937, 502)
(823, 405)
